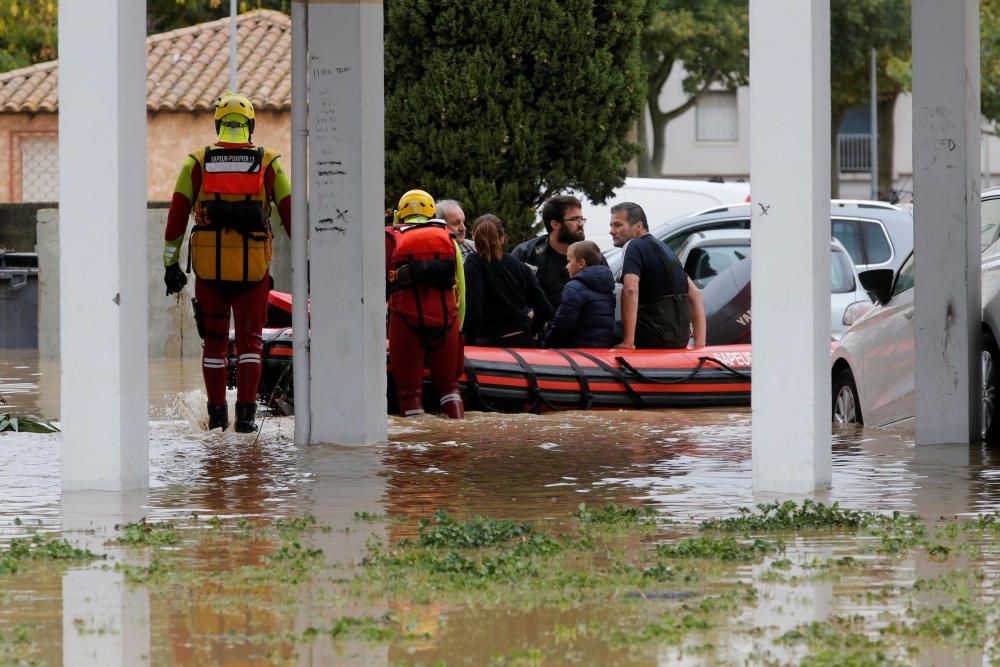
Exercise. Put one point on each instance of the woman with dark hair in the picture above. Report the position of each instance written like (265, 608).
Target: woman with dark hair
(501, 292)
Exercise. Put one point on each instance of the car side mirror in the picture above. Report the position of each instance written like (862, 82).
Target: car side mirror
(879, 283)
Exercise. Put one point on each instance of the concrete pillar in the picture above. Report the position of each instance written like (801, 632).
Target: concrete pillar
(102, 244)
(105, 621)
(947, 311)
(790, 172)
(346, 213)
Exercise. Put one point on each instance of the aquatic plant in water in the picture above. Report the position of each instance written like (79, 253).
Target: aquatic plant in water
(39, 548)
(25, 424)
(628, 590)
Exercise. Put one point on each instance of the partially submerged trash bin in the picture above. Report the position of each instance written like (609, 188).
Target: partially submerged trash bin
(18, 300)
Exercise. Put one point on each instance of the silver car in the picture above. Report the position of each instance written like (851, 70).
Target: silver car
(872, 373)
(705, 254)
(875, 234)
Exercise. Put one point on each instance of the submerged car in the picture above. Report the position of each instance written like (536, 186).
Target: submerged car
(872, 372)
(706, 254)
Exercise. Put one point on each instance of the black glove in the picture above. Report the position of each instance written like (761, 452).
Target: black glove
(174, 279)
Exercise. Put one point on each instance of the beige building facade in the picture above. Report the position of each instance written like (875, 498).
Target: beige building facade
(187, 69)
(29, 145)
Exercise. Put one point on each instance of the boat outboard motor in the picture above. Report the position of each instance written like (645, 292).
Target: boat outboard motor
(727, 305)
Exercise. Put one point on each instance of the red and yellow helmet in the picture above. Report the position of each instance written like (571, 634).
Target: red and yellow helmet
(415, 202)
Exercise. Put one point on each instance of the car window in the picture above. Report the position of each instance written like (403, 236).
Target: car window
(904, 280)
(677, 239)
(847, 232)
(841, 273)
(990, 222)
(877, 247)
(704, 263)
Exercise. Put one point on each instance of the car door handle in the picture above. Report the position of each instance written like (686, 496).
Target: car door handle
(908, 314)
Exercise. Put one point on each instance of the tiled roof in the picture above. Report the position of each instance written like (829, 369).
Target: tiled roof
(186, 69)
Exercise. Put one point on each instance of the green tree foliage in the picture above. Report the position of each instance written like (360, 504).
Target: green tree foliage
(710, 38)
(989, 37)
(28, 32)
(165, 15)
(856, 27)
(500, 104)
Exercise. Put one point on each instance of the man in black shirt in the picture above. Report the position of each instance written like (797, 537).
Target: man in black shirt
(659, 301)
(546, 255)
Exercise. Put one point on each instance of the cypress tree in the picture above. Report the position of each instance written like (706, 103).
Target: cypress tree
(502, 103)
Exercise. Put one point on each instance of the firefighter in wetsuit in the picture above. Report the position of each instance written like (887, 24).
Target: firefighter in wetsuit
(426, 305)
(230, 186)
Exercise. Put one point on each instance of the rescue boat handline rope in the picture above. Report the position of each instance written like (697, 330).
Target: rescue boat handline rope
(586, 396)
(472, 385)
(532, 378)
(616, 373)
(690, 376)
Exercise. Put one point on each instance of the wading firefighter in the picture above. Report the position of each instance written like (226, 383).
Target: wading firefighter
(426, 305)
(230, 186)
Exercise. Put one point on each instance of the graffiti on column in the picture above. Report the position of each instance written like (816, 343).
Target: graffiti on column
(330, 173)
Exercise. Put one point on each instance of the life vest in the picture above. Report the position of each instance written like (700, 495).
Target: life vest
(232, 237)
(421, 277)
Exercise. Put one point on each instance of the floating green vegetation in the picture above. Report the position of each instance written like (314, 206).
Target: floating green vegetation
(146, 534)
(25, 423)
(841, 641)
(607, 586)
(443, 531)
(37, 548)
(17, 645)
(370, 628)
(712, 548)
(789, 516)
(615, 514)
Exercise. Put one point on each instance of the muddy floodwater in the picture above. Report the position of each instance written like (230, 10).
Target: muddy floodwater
(572, 538)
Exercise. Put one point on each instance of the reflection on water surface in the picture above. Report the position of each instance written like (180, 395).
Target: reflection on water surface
(688, 464)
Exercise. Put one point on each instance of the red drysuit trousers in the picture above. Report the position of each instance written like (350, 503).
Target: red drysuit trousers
(406, 363)
(249, 311)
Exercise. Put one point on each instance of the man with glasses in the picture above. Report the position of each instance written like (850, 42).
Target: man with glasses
(563, 218)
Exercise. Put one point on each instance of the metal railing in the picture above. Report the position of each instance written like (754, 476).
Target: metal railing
(854, 151)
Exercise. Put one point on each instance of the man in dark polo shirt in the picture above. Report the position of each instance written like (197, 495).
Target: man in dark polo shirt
(660, 304)
(546, 255)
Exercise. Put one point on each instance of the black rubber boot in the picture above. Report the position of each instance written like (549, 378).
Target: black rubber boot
(245, 413)
(218, 416)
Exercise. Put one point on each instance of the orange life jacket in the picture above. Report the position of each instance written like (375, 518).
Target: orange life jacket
(421, 277)
(232, 237)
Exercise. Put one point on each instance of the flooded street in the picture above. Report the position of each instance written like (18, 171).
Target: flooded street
(688, 465)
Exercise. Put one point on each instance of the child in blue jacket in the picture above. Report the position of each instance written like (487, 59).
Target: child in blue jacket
(586, 316)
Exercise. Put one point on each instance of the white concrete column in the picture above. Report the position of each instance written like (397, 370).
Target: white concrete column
(947, 296)
(346, 214)
(105, 622)
(790, 176)
(102, 244)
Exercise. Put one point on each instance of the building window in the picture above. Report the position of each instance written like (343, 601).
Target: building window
(40, 168)
(716, 117)
(854, 141)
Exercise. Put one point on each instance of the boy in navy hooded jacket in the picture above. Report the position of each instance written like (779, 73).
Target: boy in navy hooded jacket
(586, 315)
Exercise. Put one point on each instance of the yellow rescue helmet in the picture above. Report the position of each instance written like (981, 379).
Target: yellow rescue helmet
(415, 202)
(233, 103)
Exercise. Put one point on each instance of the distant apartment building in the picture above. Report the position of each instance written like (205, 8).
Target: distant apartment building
(712, 139)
